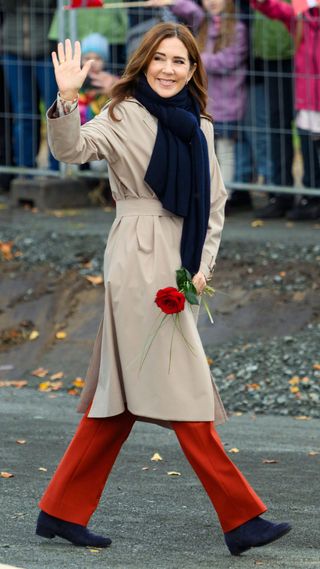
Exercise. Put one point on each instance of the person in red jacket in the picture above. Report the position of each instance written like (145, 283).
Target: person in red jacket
(305, 29)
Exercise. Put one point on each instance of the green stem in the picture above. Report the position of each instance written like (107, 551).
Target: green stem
(150, 342)
(183, 336)
(208, 310)
(171, 343)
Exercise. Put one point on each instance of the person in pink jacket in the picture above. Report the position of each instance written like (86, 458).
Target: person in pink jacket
(305, 29)
(222, 40)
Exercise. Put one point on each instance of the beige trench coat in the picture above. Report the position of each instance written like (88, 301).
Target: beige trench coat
(141, 256)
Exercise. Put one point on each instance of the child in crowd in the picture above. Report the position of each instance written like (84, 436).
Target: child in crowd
(93, 95)
(305, 29)
(222, 40)
(94, 47)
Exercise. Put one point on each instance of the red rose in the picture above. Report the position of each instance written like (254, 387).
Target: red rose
(170, 300)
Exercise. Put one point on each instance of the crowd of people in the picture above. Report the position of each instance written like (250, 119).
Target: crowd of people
(263, 66)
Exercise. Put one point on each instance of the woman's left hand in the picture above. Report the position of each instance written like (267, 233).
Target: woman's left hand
(199, 281)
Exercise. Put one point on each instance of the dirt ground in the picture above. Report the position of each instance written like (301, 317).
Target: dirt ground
(249, 302)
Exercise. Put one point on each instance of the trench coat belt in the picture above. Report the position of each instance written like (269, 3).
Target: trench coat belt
(141, 206)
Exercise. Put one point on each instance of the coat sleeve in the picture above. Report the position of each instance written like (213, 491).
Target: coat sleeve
(75, 144)
(188, 11)
(218, 199)
(276, 10)
(229, 58)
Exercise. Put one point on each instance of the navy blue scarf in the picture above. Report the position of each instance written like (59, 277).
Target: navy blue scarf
(178, 171)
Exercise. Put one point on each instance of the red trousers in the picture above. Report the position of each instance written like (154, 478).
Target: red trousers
(75, 489)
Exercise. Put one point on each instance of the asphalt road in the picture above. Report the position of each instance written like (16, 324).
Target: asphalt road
(156, 521)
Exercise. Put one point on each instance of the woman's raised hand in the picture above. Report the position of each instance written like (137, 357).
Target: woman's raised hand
(67, 68)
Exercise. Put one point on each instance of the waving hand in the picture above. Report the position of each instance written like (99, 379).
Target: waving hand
(67, 68)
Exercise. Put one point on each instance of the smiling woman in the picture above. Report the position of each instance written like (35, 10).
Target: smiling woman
(158, 140)
(172, 55)
(170, 68)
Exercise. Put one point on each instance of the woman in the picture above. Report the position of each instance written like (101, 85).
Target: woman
(222, 41)
(158, 141)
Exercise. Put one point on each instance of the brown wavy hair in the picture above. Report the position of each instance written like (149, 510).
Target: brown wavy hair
(140, 59)
(227, 29)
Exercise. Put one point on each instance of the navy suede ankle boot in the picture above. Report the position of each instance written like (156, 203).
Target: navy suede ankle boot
(254, 533)
(49, 526)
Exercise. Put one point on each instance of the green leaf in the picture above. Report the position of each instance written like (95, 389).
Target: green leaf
(181, 277)
(193, 289)
(191, 297)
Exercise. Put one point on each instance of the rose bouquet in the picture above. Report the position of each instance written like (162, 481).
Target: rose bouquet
(171, 302)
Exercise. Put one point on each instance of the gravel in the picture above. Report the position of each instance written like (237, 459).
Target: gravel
(70, 251)
(278, 375)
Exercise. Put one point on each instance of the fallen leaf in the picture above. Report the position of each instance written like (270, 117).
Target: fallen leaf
(234, 450)
(21, 442)
(78, 382)
(302, 418)
(145, 468)
(269, 461)
(95, 279)
(253, 386)
(299, 296)
(6, 475)
(58, 375)
(238, 413)
(231, 377)
(6, 250)
(73, 392)
(18, 383)
(294, 380)
(156, 457)
(56, 385)
(61, 335)
(94, 549)
(313, 453)
(257, 223)
(50, 386)
(289, 224)
(40, 372)
(65, 212)
(210, 361)
(44, 386)
(34, 335)
(173, 473)
(43, 469)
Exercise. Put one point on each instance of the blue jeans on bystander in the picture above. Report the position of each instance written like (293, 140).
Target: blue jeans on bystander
(26, 81)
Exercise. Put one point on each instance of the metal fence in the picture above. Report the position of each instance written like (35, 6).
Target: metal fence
(252, 90)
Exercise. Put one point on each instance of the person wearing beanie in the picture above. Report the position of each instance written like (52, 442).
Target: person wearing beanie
(96, 47)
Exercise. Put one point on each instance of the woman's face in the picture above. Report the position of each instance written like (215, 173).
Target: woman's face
(214, 7)
(170, 68)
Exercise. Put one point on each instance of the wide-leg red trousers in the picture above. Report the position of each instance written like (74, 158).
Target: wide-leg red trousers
(75, 489)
